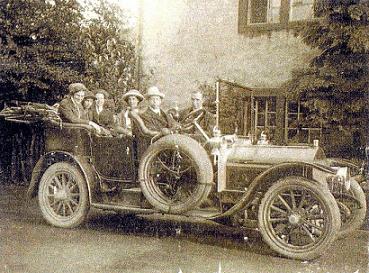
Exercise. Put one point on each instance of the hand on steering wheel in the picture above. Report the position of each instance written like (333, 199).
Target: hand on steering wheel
(188, 122)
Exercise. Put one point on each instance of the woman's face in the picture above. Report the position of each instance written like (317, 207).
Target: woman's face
(100, 100)
(132, 102)
(78, 96)
(87, 103)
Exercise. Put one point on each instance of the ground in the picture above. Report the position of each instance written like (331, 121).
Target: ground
(112, 243)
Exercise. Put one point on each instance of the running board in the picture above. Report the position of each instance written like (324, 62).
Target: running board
(203, 213)
(137, 210)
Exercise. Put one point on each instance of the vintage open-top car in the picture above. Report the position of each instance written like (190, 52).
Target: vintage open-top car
(295, 197)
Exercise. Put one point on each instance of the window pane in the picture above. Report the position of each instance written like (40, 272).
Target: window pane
(301, 10)
(264, 11)
(272, 119)
(258, 11)
(274, 10)
(292, 107)
(272, 104)
(261, 104)
(292, 121)
(292, 135)
(261, 120)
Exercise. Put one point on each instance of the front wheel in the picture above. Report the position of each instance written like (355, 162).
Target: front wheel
(299, 218)
(352, 205)
(63, 196)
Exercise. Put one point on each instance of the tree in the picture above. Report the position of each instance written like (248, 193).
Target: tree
(110, 54)
(335, 85)
(41, 50)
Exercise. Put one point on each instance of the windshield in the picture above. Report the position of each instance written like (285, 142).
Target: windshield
(234, 111)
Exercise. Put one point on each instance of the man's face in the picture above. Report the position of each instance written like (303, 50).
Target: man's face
(87, 103)
(155, 102)
(132, 102)
(196, 101)
(100, 100)
(78, 96)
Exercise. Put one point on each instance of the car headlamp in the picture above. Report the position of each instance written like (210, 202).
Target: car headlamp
(342, 176)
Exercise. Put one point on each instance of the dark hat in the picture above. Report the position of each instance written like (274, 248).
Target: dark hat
(89, 95)
(76, 87)
(133, 92)
(102, 91)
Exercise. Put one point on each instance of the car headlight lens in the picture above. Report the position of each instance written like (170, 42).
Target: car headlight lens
(341, 177)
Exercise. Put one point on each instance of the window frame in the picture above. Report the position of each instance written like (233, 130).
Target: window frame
(245, 27)
(299, 116)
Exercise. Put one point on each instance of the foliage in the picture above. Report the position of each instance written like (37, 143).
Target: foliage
(39, 57)
(47, 44)
(109, 52)
(335, 85)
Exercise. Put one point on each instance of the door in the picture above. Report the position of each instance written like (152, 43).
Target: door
(113, 157)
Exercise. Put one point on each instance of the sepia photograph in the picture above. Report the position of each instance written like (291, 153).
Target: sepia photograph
(184, 136)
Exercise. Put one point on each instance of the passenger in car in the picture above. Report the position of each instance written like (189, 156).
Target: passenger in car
(70, 108)
(149, 123)
(87, 103)
(132, 98)
(100, 114)
(208, 121)
(154, 118)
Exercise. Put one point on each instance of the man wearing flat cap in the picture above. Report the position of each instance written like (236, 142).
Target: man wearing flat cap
(71, 109)
(154, 117)
(207, 122)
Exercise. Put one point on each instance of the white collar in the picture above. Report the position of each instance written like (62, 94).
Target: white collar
(76, 105)
(156, 111)
(99, 109)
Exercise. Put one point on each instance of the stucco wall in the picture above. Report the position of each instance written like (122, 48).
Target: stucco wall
(187, 42)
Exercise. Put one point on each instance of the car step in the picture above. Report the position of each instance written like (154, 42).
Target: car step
(123, 208)
(132, 190)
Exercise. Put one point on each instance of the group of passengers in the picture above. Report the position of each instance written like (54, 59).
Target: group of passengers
(85, 107)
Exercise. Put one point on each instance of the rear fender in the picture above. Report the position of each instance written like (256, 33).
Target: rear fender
(82, 163)
(315, 173)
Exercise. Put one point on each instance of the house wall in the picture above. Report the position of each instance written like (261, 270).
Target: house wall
(189, 42)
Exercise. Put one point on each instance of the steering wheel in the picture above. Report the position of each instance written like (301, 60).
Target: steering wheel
(188, 122)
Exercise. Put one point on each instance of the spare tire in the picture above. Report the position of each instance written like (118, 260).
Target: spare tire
(176, 174)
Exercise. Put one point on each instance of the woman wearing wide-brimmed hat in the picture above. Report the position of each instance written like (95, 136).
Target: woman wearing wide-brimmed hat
(133, 97)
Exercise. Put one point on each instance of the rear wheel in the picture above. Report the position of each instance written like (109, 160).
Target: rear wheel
(298, 218)
(176, 174)
(63, 196)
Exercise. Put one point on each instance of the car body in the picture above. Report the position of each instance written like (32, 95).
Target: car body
(290, 193)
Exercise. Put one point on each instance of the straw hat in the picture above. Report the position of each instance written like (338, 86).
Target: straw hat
(89, 95)
(133, 92)
(154, 91)
(102, 91)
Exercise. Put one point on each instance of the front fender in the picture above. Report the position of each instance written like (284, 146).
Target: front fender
(81, 162)
(314, 172)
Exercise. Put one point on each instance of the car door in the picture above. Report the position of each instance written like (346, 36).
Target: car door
(113, 157)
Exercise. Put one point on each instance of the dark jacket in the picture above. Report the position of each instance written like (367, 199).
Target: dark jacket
(72, 112)
(105, 118)
(87, 114)
(156, 122)
(207, 122)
